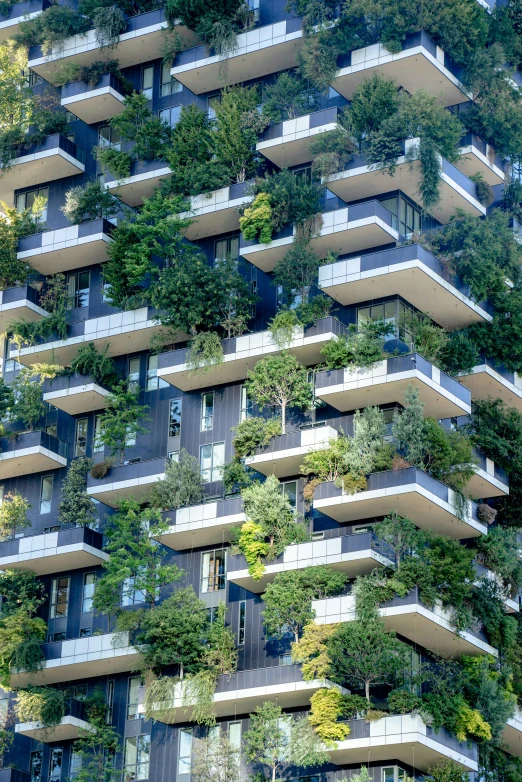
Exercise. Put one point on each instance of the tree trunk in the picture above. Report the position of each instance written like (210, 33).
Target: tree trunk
(283, 418)
(273, 774)
(367, 690)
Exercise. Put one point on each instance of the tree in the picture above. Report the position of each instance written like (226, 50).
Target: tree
(221, 653)
(13, 515)
(98, 746)
(99, 366)
(312, 652)
(21, 631)
(237, 300)
(120, 422)
(281, 381)
(28, 406)
(288, 97)
(408, 427)
(182, 485)
(296, 272)
(400, 533)
(91, 201)
(237, 127)
(13, 226)
(76, 506)
(16, 97)
(215, 759)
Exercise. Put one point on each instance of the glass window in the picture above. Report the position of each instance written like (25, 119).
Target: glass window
(241, 623)
(185, 751)
(174, 456)
(75, 764)
(147, 80)
(133, 693)
(106, 292)
(52, 429)
(109, 137)
(234, 735)
(246, 404)
(211, 461)
(110, 702)
(170, 116)
(290, 489)
(85, 632)
(212, 102)
(175, 418)
(53, 638)
(89, 582)
(35, 765)
(388, 774)
(169, 85)
(46, 493)
(10, 365)
(213, 570)
(285, 659)
(97, 446)
(254, 6)
(153, 381)
(207, 411)
(129, 594)
(59, 596)
(226, 248)
(26, 201)
(80, 438)
(55, 764)
(137, 755)
(134, 374)
(78, 290)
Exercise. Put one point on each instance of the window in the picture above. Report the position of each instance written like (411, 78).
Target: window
(391, 312)
(175, 418)
(173, 456)
(169, 85)
(54, 638)
(110, 702)
(147, 80)
(234, 735)
(137, 755)
(226, 248)
(133, 693)
(77, 691)
(52, 429)
(26, 201)
(393, 774)
(80, 438)
(246, 404)
(134, 374)
(170, 116)
(59, 597)
(211, 461)
(89, 581)
(185, 751)
(241, 623)
(129, 594)
(361, 529)
(213, 570)
(406, 217)
(207, 411)
(32, 79)
(78, 290)
(109, 137)
(290, 489)
(254, 6)
(153, 381)
(55, 764)
(75, 764)
(212, 102)
(285, 659)
(35, 765)
(97, 446)
(106, 292)
(85, 632)
(10, 365)
(46, 493)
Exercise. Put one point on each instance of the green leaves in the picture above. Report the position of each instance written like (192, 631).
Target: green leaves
(76, 507)
(282, 381)
(120, 422)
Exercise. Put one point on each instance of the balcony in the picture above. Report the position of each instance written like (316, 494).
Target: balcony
(133, 479)
(72, 725)
(406, 739)
(421, 65)
(14, 775)
(360, 180)
(243, 691)
(144, 179)
(283, 455)
(121, 333)
(512, 734)
(20, 12)
(489, 379)
(94, 104)
(216, 212)
(68, 248)
(202, 525)
(56, 158)
(488, 480)
(18, 303)
(241, 354)
(288, 143)
(430, 628)
(81, 658)
(348, 230)
(31, 452)
(54, 552)
(262, 51)
(75, 394)
(482, 573)
(387, 381)
(140, 43)
(353, 555)
(477, 156)
(411, 493)
(413, 273)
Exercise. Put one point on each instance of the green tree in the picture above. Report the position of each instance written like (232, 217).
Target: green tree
(99, 366)
(237, 298)
(296, 272)
(281, 381)
(182, 485)
(221, 654)
(28, 406)
(76, 507)
(120, 422)
(13, 226)
(400, 533)
(215, 759)
(98, 746)
(91, 201)
(21, 631)
(13, 514)
(408, 427)
(237, 127)
(288, 97)
(16, 97)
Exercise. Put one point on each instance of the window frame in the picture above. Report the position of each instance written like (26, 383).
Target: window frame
(174, 429)
(56, 591)
(50, 479)
(79, 449)
(215, 470)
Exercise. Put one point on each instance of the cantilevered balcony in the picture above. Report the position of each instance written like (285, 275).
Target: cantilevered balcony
(53, 552)
(95, 103)
(284, 454)
(202, 525)
(344, 231)
(288, 143)
(411, 272)
(488, 480)
(489, 379)
(480, 157)
(81, 658)
(420, 65)
(350, 554)
(216, 212)
(30, 452)
(360, 180)
(121, 333)
(243, 691)
(72, 726)
(134, 479)
(56, 158)
(143, 180)
(18, 303)
(75, 394)
(242, 353)
(262, 51)
(511, 606)
(387, 381)
(431, 628)
(68, 248)
(410, 492)
(405, 738)
(141, 42)
(512, 734)
(20, 12)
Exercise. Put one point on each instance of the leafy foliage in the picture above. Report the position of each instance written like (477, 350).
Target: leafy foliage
(359, 347)
(181, 486)
(280, 381)
(13, 514)
(21, 631)
(119, 423)
(99, 366)
(254, 432)
(326, 709)
(89, 202)
(76, 507)
(45, 705)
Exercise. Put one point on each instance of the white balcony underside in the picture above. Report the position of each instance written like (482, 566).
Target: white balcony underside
(484, 382)
(79, 399)
(46, 561)
(68, 729)
(112, 493)
(25, 461)
(68, 255)
(95, 105)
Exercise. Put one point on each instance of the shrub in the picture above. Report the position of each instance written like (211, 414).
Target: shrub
(254, 432)
(76, 507)
(13, 514)
(486, 513)
(205, 351)
(358, 347)
(45, 705)
(283, 327)
(484, 191)
(257, 220)
(89, 202)
(99, 366)
(182, 485)
(100, 469)
(403, 702)
(326, 709)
